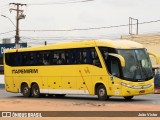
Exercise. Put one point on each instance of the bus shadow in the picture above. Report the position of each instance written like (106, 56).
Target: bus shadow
(140, 100)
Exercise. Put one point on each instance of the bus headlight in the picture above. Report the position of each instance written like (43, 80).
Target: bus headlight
(136, 87)
(147, 86)
(126, 85)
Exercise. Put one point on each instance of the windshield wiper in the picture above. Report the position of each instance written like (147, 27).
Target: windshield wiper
(144, 71)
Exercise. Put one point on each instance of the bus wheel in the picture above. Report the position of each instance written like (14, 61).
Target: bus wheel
(25, 90)
(60, 95)
(102, 93)
(35, 91)
(128, 97)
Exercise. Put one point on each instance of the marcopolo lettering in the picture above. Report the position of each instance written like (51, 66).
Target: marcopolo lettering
(24, 71)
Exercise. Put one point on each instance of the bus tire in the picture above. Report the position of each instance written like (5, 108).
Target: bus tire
(60, 95)
(35, 91)
(102, 93)
(128, 97)
(25, 90)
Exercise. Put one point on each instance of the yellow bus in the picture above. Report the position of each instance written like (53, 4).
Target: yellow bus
(95, 67)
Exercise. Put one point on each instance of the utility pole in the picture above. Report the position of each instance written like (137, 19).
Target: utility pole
(19, 16)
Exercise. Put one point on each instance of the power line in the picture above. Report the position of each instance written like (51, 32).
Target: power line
(77, 29)
(149, 22)
(7, 32)
(66, 38)
(92, 28)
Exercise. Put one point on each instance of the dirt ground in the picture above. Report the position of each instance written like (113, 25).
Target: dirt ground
(22, 104)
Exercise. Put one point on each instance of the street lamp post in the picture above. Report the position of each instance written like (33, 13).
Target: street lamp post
(17, 35)
(9, 20)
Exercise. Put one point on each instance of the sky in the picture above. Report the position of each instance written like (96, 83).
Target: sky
(52, 17)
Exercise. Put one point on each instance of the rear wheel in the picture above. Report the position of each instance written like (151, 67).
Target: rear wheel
(128, 97)
(25, 90)
(35, 91)
(102, 93)
(60, 95)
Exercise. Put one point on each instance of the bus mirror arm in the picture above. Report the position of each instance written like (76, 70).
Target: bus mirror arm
(122, 60)
(156, 57)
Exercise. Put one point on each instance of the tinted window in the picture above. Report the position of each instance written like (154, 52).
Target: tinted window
(54, 57)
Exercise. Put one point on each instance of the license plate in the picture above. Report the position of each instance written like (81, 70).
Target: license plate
(142, 92)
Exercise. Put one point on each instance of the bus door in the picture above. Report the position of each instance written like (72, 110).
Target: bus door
(113, 66)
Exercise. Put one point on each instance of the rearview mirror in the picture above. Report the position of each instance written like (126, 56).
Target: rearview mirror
(154, 55)
(122, 60)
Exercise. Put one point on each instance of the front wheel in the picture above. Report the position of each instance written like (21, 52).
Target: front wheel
(25, 90)
(102, 93)
(35, 91)
(128, 97)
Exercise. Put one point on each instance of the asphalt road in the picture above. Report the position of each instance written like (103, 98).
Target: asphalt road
(152, 99)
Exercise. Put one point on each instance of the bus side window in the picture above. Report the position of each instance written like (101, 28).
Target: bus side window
(71, 57)
(77, 56)
(104, 52)
(115, 68)
(9, 57)
(89, 59)
(95, 58)
(24, 59)
(61, 58)
(39, 58)
(67, 56)
(53, 58)
(46, 58)
(83, 56)
(31, 58)
(15, 59)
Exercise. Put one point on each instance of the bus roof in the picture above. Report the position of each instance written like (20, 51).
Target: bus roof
(119, 44)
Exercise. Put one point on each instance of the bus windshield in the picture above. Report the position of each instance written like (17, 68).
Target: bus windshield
(138, 65)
